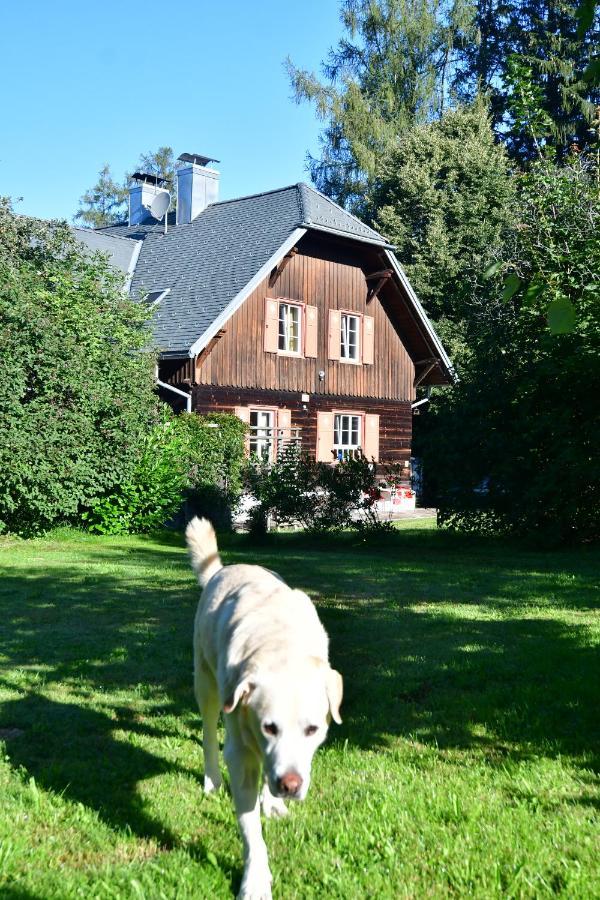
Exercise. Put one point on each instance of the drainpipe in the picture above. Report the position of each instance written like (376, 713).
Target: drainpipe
(419, 403)
(169, 387)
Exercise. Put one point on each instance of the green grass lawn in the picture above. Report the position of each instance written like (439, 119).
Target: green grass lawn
(466, 765)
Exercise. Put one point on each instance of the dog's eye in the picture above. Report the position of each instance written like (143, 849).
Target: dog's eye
(271, 728)
(310, 730)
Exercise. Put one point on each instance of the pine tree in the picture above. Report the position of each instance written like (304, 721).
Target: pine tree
(392, 70)
(544, 37)
(104, 204)
(161, 162)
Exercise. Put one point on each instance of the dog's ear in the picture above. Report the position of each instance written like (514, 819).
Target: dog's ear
(241, 694)
(335, 692)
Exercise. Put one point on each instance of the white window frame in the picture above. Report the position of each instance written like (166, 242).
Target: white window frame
(263, 441)
(345, 338)
(285, 350)
(351, 447)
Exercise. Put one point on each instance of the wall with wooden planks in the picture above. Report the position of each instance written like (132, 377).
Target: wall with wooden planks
(395, 417)
(320, 275)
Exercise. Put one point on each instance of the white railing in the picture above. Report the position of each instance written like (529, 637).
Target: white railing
(267, 442)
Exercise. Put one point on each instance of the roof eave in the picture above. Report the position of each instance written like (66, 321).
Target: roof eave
(347, 235)
(421, 315)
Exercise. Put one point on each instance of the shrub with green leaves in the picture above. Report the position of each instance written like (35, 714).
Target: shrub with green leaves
(295, 489)
(513, 447)
(183, 458)
(76, 376)
(153, 492)
(215, 448)
(216, 460)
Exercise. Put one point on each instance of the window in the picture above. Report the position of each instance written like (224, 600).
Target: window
(289, 328)
(154, 297)
(262, 434)
(350, 331)
(347, 435)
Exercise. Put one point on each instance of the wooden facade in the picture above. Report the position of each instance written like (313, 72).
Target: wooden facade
(236, 371)
(395, 418)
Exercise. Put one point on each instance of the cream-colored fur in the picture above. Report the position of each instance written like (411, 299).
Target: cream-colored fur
(261, 656)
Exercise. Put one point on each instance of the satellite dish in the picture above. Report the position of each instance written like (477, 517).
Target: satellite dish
(160, 204)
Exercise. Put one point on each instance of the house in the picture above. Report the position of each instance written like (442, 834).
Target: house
(280, 307)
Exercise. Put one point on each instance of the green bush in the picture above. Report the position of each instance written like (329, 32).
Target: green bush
(190, 458)
(216, 461)
(154, 491)
(76, 376)
(512, 447)
(296, 489)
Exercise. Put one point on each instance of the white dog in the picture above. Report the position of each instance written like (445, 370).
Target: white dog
(261, 655)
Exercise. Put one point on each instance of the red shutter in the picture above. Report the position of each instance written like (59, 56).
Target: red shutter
(368, 338)
(271, 325)
(371, 441)
(324, 437)
(310, 331)
(335, 335)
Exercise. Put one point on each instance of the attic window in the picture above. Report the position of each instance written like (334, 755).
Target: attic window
(153, 298)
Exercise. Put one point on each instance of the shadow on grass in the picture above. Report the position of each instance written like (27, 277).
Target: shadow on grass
(514, 687)
(501, 680)
(71, 750)
(95, 640)
(15, 893)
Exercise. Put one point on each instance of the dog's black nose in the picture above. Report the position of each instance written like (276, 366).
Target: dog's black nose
(289, 784)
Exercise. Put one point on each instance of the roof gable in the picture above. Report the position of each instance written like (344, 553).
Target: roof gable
(213, 263)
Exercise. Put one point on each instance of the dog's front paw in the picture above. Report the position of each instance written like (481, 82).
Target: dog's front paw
(212, 784)
(272, 807)
(256, 884)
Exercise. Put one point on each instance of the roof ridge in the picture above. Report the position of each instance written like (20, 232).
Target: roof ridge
(341, 208)
(301, 208)
(104, 231)
(280, 190)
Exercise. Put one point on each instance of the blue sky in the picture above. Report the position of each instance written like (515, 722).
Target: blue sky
(86, 83)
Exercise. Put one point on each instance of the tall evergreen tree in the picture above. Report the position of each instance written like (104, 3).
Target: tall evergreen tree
(104, 204)
(546, 38)
(160, 162)
(392, 70)
(403, 62)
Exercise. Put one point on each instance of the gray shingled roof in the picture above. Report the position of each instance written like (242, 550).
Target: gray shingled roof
(208, 262)
(120, 251)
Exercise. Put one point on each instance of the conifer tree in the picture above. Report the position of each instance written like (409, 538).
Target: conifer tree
(106, 203)
(445, 199)
(546, 39)
(392, 70)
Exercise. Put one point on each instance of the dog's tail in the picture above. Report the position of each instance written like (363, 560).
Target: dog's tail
(202, 544)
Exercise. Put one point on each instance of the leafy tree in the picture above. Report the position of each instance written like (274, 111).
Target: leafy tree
(401, 64)
(512, 446)
(445, 198)
(106, 203)
(76, 375)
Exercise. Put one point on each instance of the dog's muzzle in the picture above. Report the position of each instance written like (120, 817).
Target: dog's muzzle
(289, 785)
